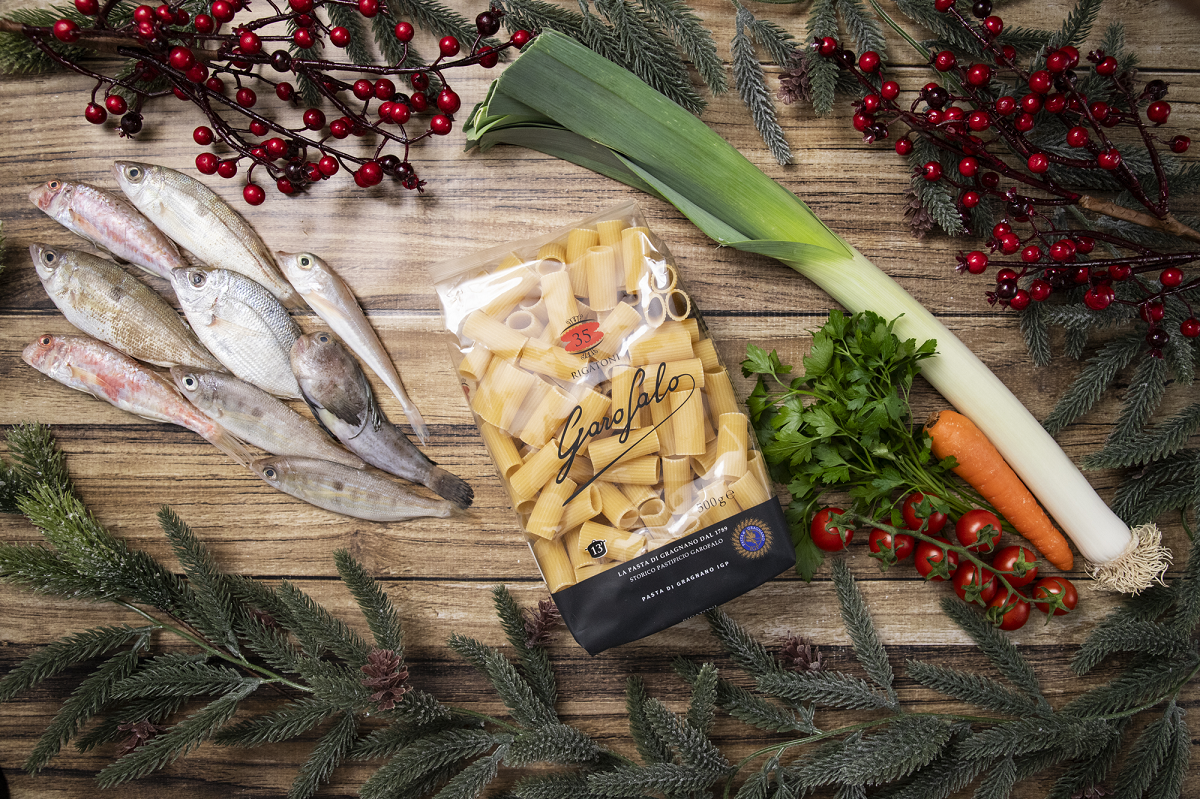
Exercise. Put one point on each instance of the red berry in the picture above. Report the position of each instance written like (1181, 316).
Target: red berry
(970, 199)
(1041, 81)
(66, 30)
(89, 8)
(339, 129)
(383, 89)
(976, 262)
(1190, 327)
(95, 114)
(1062, 251)
(285, 186)
(215, 84)
(198, 74)
(862, 121)
(400, 113)
(1031, 254)
(1120, 272)
(1072, 56)
(1020, 300)
(1084, 244)
(1179, 144)
(1024, 123)
(418, 102)
(181, 58)
(1039, 289)
(448, 46)
(303, 38)
(1158, 112)
(276, 147)
(489, 58)
(314, 119)
(385, 111)
(1107, 67)
(254, 194)
(364, 90)
(1151, 312)
(222, 11)
(868, 61)
(116, 103)
(979, 121)
(943, 5)
(1057, 62)
(258, 153)
(1171, 277)
(1005, 105)
(827, 46)
(448, 101)
(1109, 159)
(1006, 275)
(932, 171)
(302, 6)
(903, 146)
(339, 36)
(1038, 163)
(934, 116)
(1082, 275)
(1009, 244)
(203, 135)
(1100, 111)
(258, 128)
(1056, 103)
(889, 90)
(979, 74)
(944, 61)
(1078, 136)
(521, 38)
(206, 163)
(250, 43)
(1001, 229)
(205, 24)
(1099, 297)
(952, 113)
(440, 124)
(404, 31)
(246, 97)
(227, 169)
(990, 180)
(968, 166)
(370, 173)
(419, 81)
(994, 25)
(368, 8)
(1031, 103)
(180, 93)
(143, 13)
(1008, 54)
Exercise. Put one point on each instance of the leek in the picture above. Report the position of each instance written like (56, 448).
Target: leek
(562, 99)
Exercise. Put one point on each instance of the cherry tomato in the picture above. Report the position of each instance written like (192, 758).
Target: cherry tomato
(969, 586)
(1008, 612)
(913, 518)
(1017, 564)
(929, 560)
(833, 539)
(970, 530)
(1055, 592)
(889, 549)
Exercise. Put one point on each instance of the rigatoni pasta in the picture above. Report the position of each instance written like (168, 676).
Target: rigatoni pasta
(613, 424)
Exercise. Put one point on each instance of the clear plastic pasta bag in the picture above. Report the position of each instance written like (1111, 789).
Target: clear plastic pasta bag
(614, 427)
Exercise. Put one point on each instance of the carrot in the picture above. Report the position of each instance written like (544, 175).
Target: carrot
(984, 469)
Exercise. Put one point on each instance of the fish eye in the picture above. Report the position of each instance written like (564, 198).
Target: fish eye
(305, 261)
(44, 341)
(48, 256)
(189, 383)
(198, 279)
(54, 184)
(323, 338)
(269, 473)
(134, 173)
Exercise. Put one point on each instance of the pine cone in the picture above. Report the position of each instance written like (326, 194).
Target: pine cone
(919, 220)
(800, 655)
(139, 733)
(541, 622)
(384, 672)
(794, 82)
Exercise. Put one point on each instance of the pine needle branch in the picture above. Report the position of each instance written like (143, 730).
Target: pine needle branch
(752, 88)
(696, 42)
(867, 646)
(534, 660)
(373, 602)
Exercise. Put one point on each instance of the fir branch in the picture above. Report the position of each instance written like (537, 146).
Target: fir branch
(426, 756)
(470, 782)
(180, 674)
(982, 692)
(538, 15)
(905, 745)
(740, 645)
(1146, 757)
(1085, 774)
(1037, 336)
(636, 781)
(1135, 497)
(1146, 680)
(748, 707)
(373, 602)
(326, 756)
(115, 723)
(864, 29)
(999, 782)
(1077, 26)
(212, 612)
(696, 42)
(1134, 635)
(558, 785)
(692, 745)
(1076, 736)
(435, 17)
(830, 688)
(1175, 767)
(946, 775)
(1163, 440)
(64, 653)
(651, 747)
(534, 661)
(1100, 370)
(999, 648)
(318, 631)
(934, 196)
(823, 72)
(861, 629)
(36, 459)
(19, 56)
(1121, 624)
(289, 721)
(650, 53)
(1142, 398)
(704, 698)
(556, 743)
(516, 693)
(268, 641)
(1185, 615)
(348, 17)
(752, 88)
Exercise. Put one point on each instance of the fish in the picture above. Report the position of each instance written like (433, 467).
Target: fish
(328, 295)
(95, 368)
(256, 417)
(109, 221)
(202, 223)
(242, 324)
(336, 389)
(350, 492)
(108, 303)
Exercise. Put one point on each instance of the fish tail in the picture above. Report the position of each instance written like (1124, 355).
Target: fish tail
(230, 444)
(413, 414)
(450, 486)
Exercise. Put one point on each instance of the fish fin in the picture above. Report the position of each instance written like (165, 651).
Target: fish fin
(230, 444)
(419, 428)
(317, 413)
(191, 258)
(450, 486)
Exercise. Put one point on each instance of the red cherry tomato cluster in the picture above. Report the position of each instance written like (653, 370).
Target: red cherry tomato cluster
(978, 532)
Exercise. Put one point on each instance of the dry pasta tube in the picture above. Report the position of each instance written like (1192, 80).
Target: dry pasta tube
(749, 490)
(586, 505)
(638, 494)
(578, 242)
(570, 540)
(593, 407)
(500, 394)
(548, 265)
(731, 446)
(618, 544)
(663, 276)
(545, 419)
(693, 328)
(716, 503)
(677, 482)
(721, 398)
(561, 306)
(616, 327)
(547, 359)
(692, 367)
(509, 261)
(635, 243)
(703, 464)
(616, 507)
(475, 362)
(670, 342)
(556, 567)
(503, 341)
(659, 417)
(707, 353)
(535, 305)
(679, 305)
(577, 273)
(516, 287)
(609, 232)
(606, 450)
(756, 464)
(654, 512)
(656, 311)
(548, 510)
(553, 252)
(709, 431)
(603, 289)
(581, 470)
(535, 472)
(525, 323)
(502, 449)
(639, 471)
(622, 403)
(687, 420)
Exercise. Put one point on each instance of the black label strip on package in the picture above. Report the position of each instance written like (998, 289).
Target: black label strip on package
(667, 585)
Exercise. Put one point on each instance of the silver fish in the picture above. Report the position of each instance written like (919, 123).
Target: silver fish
(256, 417)
(201, 222)
(95, 368)
(106, 302)
(109, 221)
(350, 492)
(338, 392)
(331, 298)
(242, 324)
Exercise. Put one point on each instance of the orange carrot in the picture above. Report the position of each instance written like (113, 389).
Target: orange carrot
(985, 470)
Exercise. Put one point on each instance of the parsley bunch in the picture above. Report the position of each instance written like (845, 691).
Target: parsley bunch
(846, 425)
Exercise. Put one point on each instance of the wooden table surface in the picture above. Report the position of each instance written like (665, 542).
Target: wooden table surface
(440, 572)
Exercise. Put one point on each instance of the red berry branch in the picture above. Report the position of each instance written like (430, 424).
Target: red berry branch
(967, 115)
(198, 63)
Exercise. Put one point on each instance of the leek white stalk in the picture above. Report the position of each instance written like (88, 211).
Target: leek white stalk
(560, 98)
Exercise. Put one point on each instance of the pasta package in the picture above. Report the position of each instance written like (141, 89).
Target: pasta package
(613, 425)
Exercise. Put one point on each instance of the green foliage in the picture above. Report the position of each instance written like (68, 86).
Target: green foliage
(867, 646)
(533, 660)
(373, 602)
(752, 87)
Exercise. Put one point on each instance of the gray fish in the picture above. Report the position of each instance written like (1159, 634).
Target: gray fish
(242, 324)
(256, 417)
(108, 221)
(328, 295)
(336, 389)
(106, 302)
(350, 492)
(204, 224)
